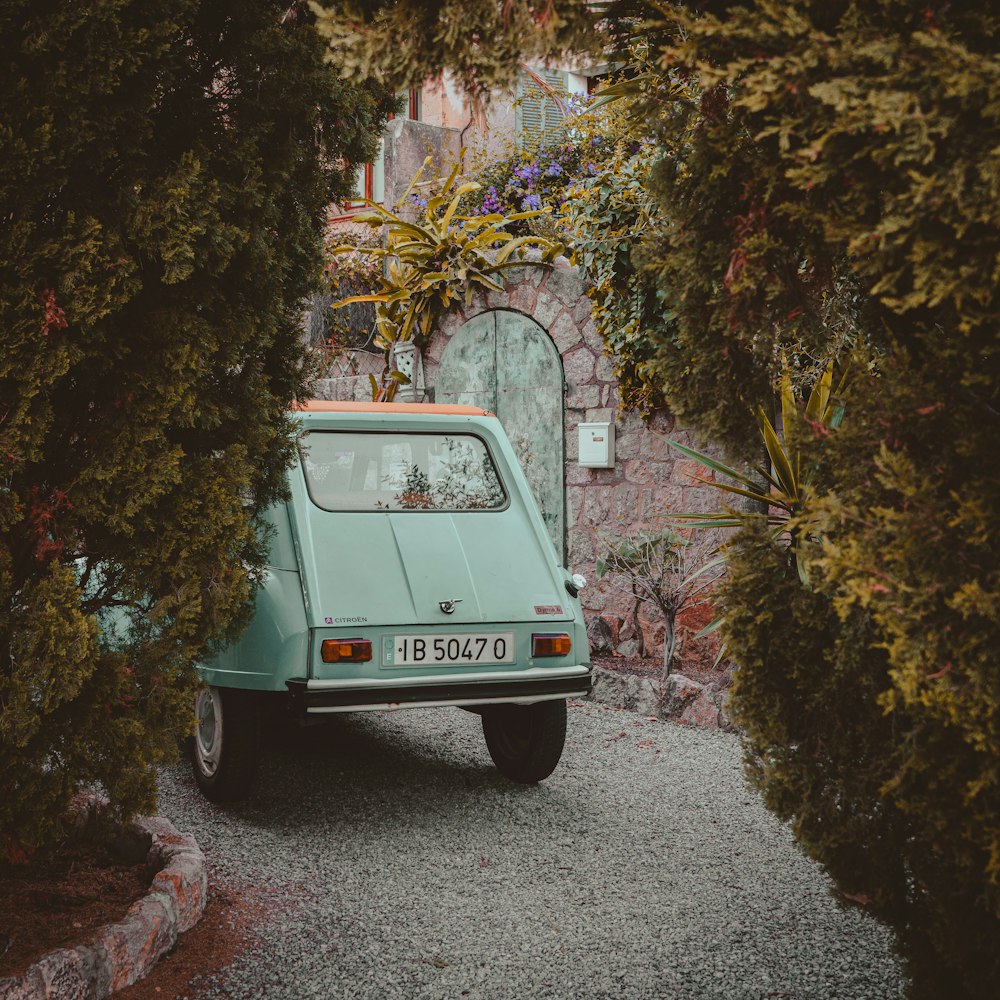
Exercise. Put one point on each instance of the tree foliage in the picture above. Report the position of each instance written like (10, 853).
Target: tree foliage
(831, 179)
(481, 42)
(163, 187)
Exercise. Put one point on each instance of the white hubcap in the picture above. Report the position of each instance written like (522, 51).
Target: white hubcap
(208, 735)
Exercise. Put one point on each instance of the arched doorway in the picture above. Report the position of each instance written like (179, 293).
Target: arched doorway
(505, 362)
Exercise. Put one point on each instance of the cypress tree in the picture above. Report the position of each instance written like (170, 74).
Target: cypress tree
(164, 179)
(836, 180)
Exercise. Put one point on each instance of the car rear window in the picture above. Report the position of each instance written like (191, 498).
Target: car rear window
(374, 470)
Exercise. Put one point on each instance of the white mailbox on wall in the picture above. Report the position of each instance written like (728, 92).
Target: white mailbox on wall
(597, 446)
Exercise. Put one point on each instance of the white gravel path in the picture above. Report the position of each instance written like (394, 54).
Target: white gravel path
(402, 865)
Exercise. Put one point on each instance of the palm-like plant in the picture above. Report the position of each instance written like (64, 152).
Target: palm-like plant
(779, 489)
(443, 256)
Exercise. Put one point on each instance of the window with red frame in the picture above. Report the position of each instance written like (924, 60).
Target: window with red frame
(369, 183)
(415, 107)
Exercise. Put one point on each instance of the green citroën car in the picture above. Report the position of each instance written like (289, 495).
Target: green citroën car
(410, 568)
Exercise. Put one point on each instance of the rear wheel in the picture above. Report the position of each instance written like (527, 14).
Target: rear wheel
(226, 743)
(526, 741)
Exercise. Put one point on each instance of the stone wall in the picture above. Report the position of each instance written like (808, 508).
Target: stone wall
(406, 144)
(649, 478)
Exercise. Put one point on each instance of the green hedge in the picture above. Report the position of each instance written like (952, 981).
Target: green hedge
(166, 167)
(832, 181)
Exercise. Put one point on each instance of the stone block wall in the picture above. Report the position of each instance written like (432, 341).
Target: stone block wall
(648, 481)
(406, 144)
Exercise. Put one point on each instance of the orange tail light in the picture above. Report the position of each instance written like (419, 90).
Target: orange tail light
(346, 650)
(551, 644)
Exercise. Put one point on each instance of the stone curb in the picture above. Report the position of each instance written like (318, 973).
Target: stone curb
(680, 698)
(120, 954)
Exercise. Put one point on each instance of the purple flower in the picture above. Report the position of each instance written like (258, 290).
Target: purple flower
(531, 203)
(491, 203)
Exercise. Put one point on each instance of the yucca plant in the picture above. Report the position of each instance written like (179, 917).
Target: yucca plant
(442, 257)
(780, 491)
(780, 488)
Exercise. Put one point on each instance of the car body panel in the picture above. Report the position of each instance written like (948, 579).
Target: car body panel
(377, 574)
(274, 646)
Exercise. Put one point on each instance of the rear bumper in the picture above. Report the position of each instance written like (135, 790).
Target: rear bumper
(517, 687)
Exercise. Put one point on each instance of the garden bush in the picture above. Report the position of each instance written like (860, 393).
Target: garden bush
(164, 181)
(830, 182)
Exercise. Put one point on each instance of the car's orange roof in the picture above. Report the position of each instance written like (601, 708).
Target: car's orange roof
(338, 406)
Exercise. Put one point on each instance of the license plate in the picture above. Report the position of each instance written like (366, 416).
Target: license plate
(447, 650)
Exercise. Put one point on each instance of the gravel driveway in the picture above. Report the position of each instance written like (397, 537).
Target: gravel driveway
(402, 865)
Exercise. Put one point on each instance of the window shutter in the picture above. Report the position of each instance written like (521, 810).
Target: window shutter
(537, 113)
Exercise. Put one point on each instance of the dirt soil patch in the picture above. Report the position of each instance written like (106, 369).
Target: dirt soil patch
(224, 932)
(61, 899)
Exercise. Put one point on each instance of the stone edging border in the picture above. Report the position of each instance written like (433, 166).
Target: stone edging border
(120, 954)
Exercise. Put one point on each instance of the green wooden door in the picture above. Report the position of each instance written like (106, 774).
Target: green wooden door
(505, 362)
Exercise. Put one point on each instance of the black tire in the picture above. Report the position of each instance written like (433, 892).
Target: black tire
(526, 741)
(225, 747)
